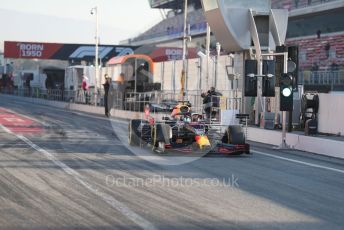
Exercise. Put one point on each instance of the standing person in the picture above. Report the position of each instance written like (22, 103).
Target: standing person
(121, 91)
(4, 82)
(207, 103)
(215, 102)
(28, 85)
(211, 100)
(48, 86)
(84, 87)
(334, 72)
(106, 93)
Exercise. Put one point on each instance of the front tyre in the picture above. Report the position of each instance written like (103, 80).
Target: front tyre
(133, 138)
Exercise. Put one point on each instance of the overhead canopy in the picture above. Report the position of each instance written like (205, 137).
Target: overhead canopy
(236, 24)
(123, 59)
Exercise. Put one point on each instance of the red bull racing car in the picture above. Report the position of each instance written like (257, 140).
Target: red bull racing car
(187, 132)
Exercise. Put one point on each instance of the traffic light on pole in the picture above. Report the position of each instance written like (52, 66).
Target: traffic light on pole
(286, 92)
(269, 79)
(293, 57)
(250, 78)
(279, 63)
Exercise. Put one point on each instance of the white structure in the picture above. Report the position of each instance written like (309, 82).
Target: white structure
(74, 76)
(237, 23)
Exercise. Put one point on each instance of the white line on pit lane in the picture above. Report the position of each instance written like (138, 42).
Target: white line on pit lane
(299, 162)
(101, 118)
(121, 207)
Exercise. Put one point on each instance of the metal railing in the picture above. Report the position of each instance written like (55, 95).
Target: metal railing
(298, 4)
(73, 96)
(138, 101)
(129, 101)
(334, 79)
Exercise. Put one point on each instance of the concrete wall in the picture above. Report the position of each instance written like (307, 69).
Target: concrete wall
(323, 146)
(331, 113)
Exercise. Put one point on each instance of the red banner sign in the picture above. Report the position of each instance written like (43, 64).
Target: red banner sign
(58, 51)
(30, 50)
(168, 54)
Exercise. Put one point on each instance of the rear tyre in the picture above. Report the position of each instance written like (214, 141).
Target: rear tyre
(234, 135)
(161, 147)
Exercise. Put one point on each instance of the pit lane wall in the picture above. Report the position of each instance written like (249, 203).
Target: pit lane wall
(318, 145)
(330, 121)
(121, 114)
(331, 112)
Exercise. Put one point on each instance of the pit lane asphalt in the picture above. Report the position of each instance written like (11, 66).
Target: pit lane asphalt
(66, 179)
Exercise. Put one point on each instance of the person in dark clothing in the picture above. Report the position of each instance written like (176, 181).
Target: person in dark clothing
(211, 100)
(327, 49)
(48, 86)
(334, 72)
(334, 66)
(28, 85)
(4, 80)
(207, 103)
(106, 93)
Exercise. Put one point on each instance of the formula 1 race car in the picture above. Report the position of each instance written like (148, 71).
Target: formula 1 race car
(187, 132)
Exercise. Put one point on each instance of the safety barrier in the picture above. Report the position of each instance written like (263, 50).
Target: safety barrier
(73, 96)
(297, 4)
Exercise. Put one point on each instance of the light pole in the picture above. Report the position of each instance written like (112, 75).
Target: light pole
(218, 53)
(184, 73)
(208, 56)
(94, 10)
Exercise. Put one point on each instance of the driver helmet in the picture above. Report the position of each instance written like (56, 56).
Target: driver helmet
(187, 119)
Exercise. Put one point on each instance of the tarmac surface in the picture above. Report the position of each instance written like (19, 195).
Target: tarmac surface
(69, 170)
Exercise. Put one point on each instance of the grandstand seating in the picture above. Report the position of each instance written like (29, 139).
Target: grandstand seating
(174, 26)
(315, 51)
(312, 49)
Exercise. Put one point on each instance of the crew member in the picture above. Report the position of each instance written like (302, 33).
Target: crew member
(106, 93)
